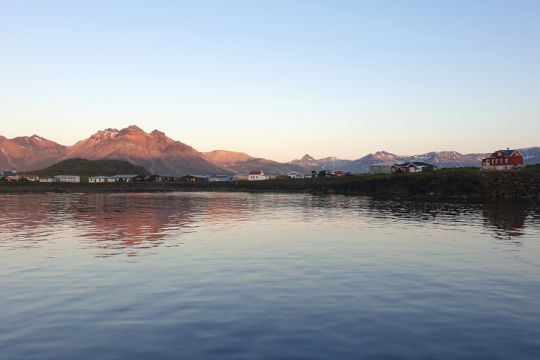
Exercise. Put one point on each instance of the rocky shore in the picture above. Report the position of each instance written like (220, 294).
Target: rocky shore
(444, 185)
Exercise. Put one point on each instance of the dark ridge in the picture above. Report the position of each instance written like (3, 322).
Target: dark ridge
(86, 167)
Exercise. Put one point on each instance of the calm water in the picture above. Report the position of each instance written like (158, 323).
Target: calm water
(253, 276)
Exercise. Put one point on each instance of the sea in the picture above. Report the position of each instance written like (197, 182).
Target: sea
(266, 276)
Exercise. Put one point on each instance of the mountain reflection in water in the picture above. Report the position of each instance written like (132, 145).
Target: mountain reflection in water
(129, 224)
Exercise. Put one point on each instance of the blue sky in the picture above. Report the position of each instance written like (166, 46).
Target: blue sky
(276, 79)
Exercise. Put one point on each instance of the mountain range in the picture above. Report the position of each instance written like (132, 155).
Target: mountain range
(160, 154)
(442, 159)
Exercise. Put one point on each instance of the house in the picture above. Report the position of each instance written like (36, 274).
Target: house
(29, 177)
(256, 176)
(219, 178)
(101, 179)
(295, 175)
(67, 178)
(160, 178)
(339, 173)
(412, 167)
(195, 178)
(126, 178)
(380, 169)
(503, 160)
(46, 179)
(240, 177)
(5, 173)
(321, 173)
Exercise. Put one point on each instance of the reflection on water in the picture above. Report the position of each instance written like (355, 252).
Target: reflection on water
(266, 276)
(120, 224)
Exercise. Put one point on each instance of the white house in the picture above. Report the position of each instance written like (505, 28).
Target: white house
(295, 175)
(67, 178)
(257, 175)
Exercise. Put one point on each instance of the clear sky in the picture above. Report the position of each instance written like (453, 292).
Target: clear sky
(276, 79)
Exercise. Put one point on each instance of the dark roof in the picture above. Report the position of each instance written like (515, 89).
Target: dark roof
(506, 152)
(196, 176)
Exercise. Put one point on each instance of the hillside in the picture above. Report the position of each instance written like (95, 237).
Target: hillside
(86, 167)
(243, 163)
(29, 152)
(154, 151)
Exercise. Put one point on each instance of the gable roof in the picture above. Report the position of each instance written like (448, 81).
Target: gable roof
(258, 172)
(507, 153)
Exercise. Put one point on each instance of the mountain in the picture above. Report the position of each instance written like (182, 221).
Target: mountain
(159, 154)
(329, 163)
(153, 151)
(92, 168)
(442, 159)
(243, 163)
(227, 158)
(531, 155)
(29, 152)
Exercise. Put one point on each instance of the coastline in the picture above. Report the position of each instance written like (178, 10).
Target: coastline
(452, 185)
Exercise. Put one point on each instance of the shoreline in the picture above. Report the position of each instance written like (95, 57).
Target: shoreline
(451, 185)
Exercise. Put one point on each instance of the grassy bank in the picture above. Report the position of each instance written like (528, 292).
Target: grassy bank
(467, 185)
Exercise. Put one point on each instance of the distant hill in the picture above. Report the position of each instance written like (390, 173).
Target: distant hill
(243, 163)
(86, 167)
(29, 152)
(329, 163)
(442, 159)
(162, 155)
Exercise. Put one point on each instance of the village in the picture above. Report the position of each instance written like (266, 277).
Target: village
(500, 160)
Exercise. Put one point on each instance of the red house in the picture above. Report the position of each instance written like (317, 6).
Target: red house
(503, 160)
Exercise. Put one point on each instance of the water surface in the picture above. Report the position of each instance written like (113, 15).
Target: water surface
(265, 276)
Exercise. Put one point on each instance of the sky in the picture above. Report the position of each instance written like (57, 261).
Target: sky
(276, 79)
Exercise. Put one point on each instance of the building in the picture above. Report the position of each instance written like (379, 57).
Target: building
(257, 176)
(29, 177)
(195, 178)
(5, 173)
(240, 177)
(127, 178)
(46, 179)
(321, 173)
(295, 175)
(101, 179)
(380, 169)
(67, 178)
(219, 178)
(160, 178)
(503, 160)
(412, 167)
